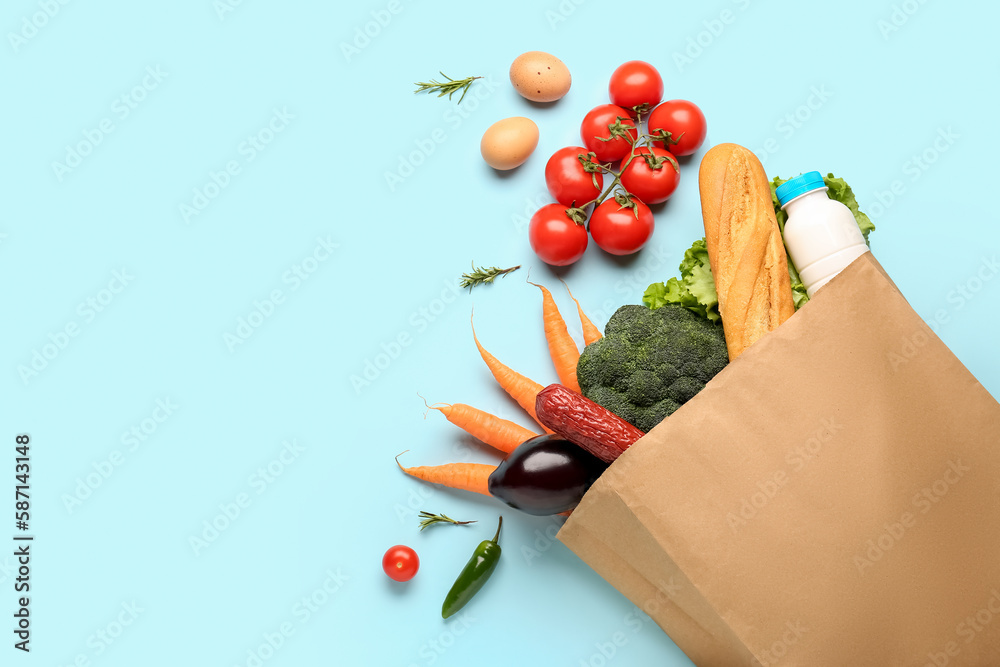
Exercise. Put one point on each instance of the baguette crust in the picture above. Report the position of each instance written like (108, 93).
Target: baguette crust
(745, 248)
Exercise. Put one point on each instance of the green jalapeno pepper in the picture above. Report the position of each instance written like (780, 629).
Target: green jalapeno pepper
(475, 573)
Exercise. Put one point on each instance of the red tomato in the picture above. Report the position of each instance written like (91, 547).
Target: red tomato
(596, 124)
(684, 121)
(400, 563)
(634, 83)
(566, 179)
(651, 185)
(555, 238)
(618, 230)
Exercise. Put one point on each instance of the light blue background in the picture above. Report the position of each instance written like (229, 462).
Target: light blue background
(340, 501)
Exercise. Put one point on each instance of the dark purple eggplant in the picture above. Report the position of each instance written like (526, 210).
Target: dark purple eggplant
(545, 475)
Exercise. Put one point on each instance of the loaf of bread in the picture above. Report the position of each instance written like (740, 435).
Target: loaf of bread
(744, 246)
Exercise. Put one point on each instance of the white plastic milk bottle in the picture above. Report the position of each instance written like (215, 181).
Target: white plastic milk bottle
(821, 234)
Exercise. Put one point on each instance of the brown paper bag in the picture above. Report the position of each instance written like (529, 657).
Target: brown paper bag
(831, 498)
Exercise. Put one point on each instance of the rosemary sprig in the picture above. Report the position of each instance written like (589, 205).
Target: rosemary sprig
(449, 87)
(481, 276)
(427, 519)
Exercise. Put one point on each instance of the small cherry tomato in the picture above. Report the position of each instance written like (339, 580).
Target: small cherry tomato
(555, 237)
(566, 179)
(651, 184)
(400, 563)
(621, 230)
(684, 121)
(596, 127)
(636, 83)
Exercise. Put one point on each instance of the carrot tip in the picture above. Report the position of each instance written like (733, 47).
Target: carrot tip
(397, 459)
(569, 291)
(433, 406)
(425, 404)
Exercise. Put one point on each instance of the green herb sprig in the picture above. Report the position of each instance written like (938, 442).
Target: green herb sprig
(428, 519)
(482, 276)
(449, 87)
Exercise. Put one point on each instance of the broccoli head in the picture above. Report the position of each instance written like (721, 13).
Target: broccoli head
(650, 362)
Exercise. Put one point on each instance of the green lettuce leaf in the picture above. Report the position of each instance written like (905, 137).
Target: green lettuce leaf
(695, 289)
(841, 191)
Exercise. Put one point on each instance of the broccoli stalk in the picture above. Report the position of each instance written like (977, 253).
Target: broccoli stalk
(650, 362)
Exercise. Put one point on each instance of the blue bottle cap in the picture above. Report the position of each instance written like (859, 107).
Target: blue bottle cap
(792, 188)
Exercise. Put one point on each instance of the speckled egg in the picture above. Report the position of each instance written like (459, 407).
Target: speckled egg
(540, 76)
(507, 143)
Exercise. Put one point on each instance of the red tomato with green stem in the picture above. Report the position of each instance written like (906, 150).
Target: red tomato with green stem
(606, 130)
(400, 563)
(556, 238)
(652, 183)
(567, 179)
(636, 83)
(684, 121)
(621, 229)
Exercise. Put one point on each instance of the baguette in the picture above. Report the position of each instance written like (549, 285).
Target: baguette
(744, 244)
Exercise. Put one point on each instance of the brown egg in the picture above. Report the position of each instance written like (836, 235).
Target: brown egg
(507, 143)
(540, 76)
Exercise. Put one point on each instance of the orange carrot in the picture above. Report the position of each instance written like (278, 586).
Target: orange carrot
(496, 432)
(521, 389)
(465, 476)
(562, 348)
(591, 333)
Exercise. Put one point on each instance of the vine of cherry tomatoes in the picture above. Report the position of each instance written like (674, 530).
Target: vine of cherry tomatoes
(634, 142)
